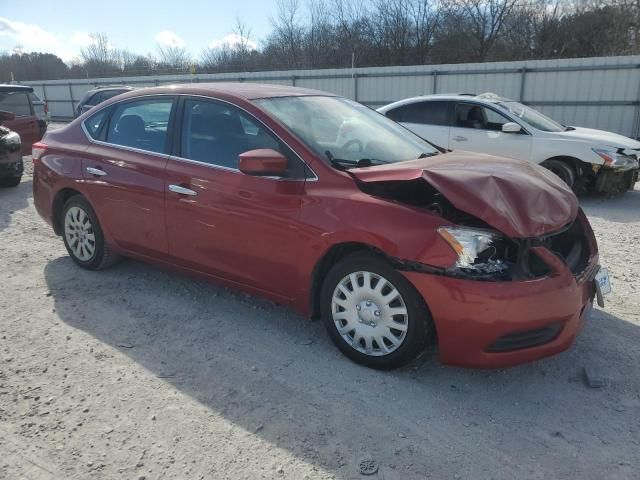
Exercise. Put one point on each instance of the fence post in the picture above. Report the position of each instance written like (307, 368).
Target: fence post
(73, 107)
(636, 116)
(355, 86)
(523, 76)
(293, 80)
(434, 74)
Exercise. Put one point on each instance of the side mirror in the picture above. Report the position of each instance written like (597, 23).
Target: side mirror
(511, 127)
(262, 162)
(4, 116)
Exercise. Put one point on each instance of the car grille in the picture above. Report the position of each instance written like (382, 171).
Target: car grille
(571, 245)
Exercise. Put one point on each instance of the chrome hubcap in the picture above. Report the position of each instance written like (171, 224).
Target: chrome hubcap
(79, 233)
(369, 313)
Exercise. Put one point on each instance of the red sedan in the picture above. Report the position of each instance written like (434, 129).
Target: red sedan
(318, 202)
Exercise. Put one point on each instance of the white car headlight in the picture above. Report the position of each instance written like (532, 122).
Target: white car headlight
(616, 159)
(468, 243)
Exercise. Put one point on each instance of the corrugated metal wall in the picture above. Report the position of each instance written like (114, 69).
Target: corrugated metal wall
(592, 92)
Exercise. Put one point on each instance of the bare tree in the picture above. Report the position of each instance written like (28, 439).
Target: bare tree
(485, 19)
(173, 57)
(288, 32)
(99, 58)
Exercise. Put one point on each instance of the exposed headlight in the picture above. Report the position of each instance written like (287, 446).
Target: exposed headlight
(616, 159)
(468, 243)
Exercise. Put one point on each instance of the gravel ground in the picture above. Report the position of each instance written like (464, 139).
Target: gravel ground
(136, 372)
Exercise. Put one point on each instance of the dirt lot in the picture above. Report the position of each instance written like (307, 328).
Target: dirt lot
(136, 372)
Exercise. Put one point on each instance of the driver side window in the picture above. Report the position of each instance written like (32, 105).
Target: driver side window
(217, 133)
(470, 115)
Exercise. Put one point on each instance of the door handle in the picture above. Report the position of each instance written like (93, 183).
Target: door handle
(182, 190)
(460, 138)
(96, 171)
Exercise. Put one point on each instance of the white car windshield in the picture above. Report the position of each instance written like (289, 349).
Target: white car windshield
(345, 131)
(532, 117)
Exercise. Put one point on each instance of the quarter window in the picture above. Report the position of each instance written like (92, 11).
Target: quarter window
(16, 103)
(141, 124)
(217, 133)
(95, 123)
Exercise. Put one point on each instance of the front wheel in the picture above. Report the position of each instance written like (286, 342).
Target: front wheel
(563, 170)
(373, 314)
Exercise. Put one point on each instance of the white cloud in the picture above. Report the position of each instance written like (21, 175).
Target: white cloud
(233, 40)
(167, 38)
(29, 37)
(83, 39)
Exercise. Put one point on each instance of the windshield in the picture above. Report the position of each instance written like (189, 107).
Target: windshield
(340, 129)
(532, 117)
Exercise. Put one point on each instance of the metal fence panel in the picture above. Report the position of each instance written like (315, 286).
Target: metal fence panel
(592, 92)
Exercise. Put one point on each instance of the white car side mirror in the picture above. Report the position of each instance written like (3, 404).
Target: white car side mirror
(511, 127)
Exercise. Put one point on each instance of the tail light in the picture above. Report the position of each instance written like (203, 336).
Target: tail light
(38, 150)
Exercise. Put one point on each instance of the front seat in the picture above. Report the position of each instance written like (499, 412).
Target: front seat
(475, 119)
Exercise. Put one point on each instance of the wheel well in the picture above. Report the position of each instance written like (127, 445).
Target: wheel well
(577, 165)
(58, 203)
(331, 256)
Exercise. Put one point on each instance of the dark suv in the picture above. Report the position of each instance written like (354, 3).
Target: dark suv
(99, 95)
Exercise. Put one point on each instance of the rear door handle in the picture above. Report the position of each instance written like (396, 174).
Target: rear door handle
(96, 171)
(460, 138)
(182, 190)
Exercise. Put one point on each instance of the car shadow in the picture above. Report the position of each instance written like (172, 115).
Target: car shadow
(277, 375)
(622, 208)
(14, 199)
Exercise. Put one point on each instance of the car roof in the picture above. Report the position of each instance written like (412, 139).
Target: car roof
(244, 90)
(483, 97)
(15, 88)
(111, 87)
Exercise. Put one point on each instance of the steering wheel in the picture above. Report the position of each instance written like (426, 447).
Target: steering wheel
(351, 142)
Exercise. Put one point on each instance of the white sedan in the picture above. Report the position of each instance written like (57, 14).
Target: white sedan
(584, 158)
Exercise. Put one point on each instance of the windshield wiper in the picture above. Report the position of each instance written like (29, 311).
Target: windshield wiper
(431, 154)
(568, 129)
(344, 163)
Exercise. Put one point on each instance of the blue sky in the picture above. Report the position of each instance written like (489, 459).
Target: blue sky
(63, 26)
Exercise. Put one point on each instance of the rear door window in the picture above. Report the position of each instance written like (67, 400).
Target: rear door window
(427, 113)
(141, 124)
(16, 103)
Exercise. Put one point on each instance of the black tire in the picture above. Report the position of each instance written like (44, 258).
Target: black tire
(10, 181)
(419, 329)
(102, 256)
(14, 179)
(563, 170)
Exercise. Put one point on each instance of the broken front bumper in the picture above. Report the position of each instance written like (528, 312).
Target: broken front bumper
(500, 324)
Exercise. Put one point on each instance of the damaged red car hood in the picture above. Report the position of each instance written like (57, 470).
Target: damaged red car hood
(516, 197)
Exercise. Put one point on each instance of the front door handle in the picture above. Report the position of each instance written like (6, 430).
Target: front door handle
(96, 171)
(460, 138)
(182, 190)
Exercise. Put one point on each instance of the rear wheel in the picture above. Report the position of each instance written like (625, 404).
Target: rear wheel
(83, 235)
(563, 170)
(372, 313)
